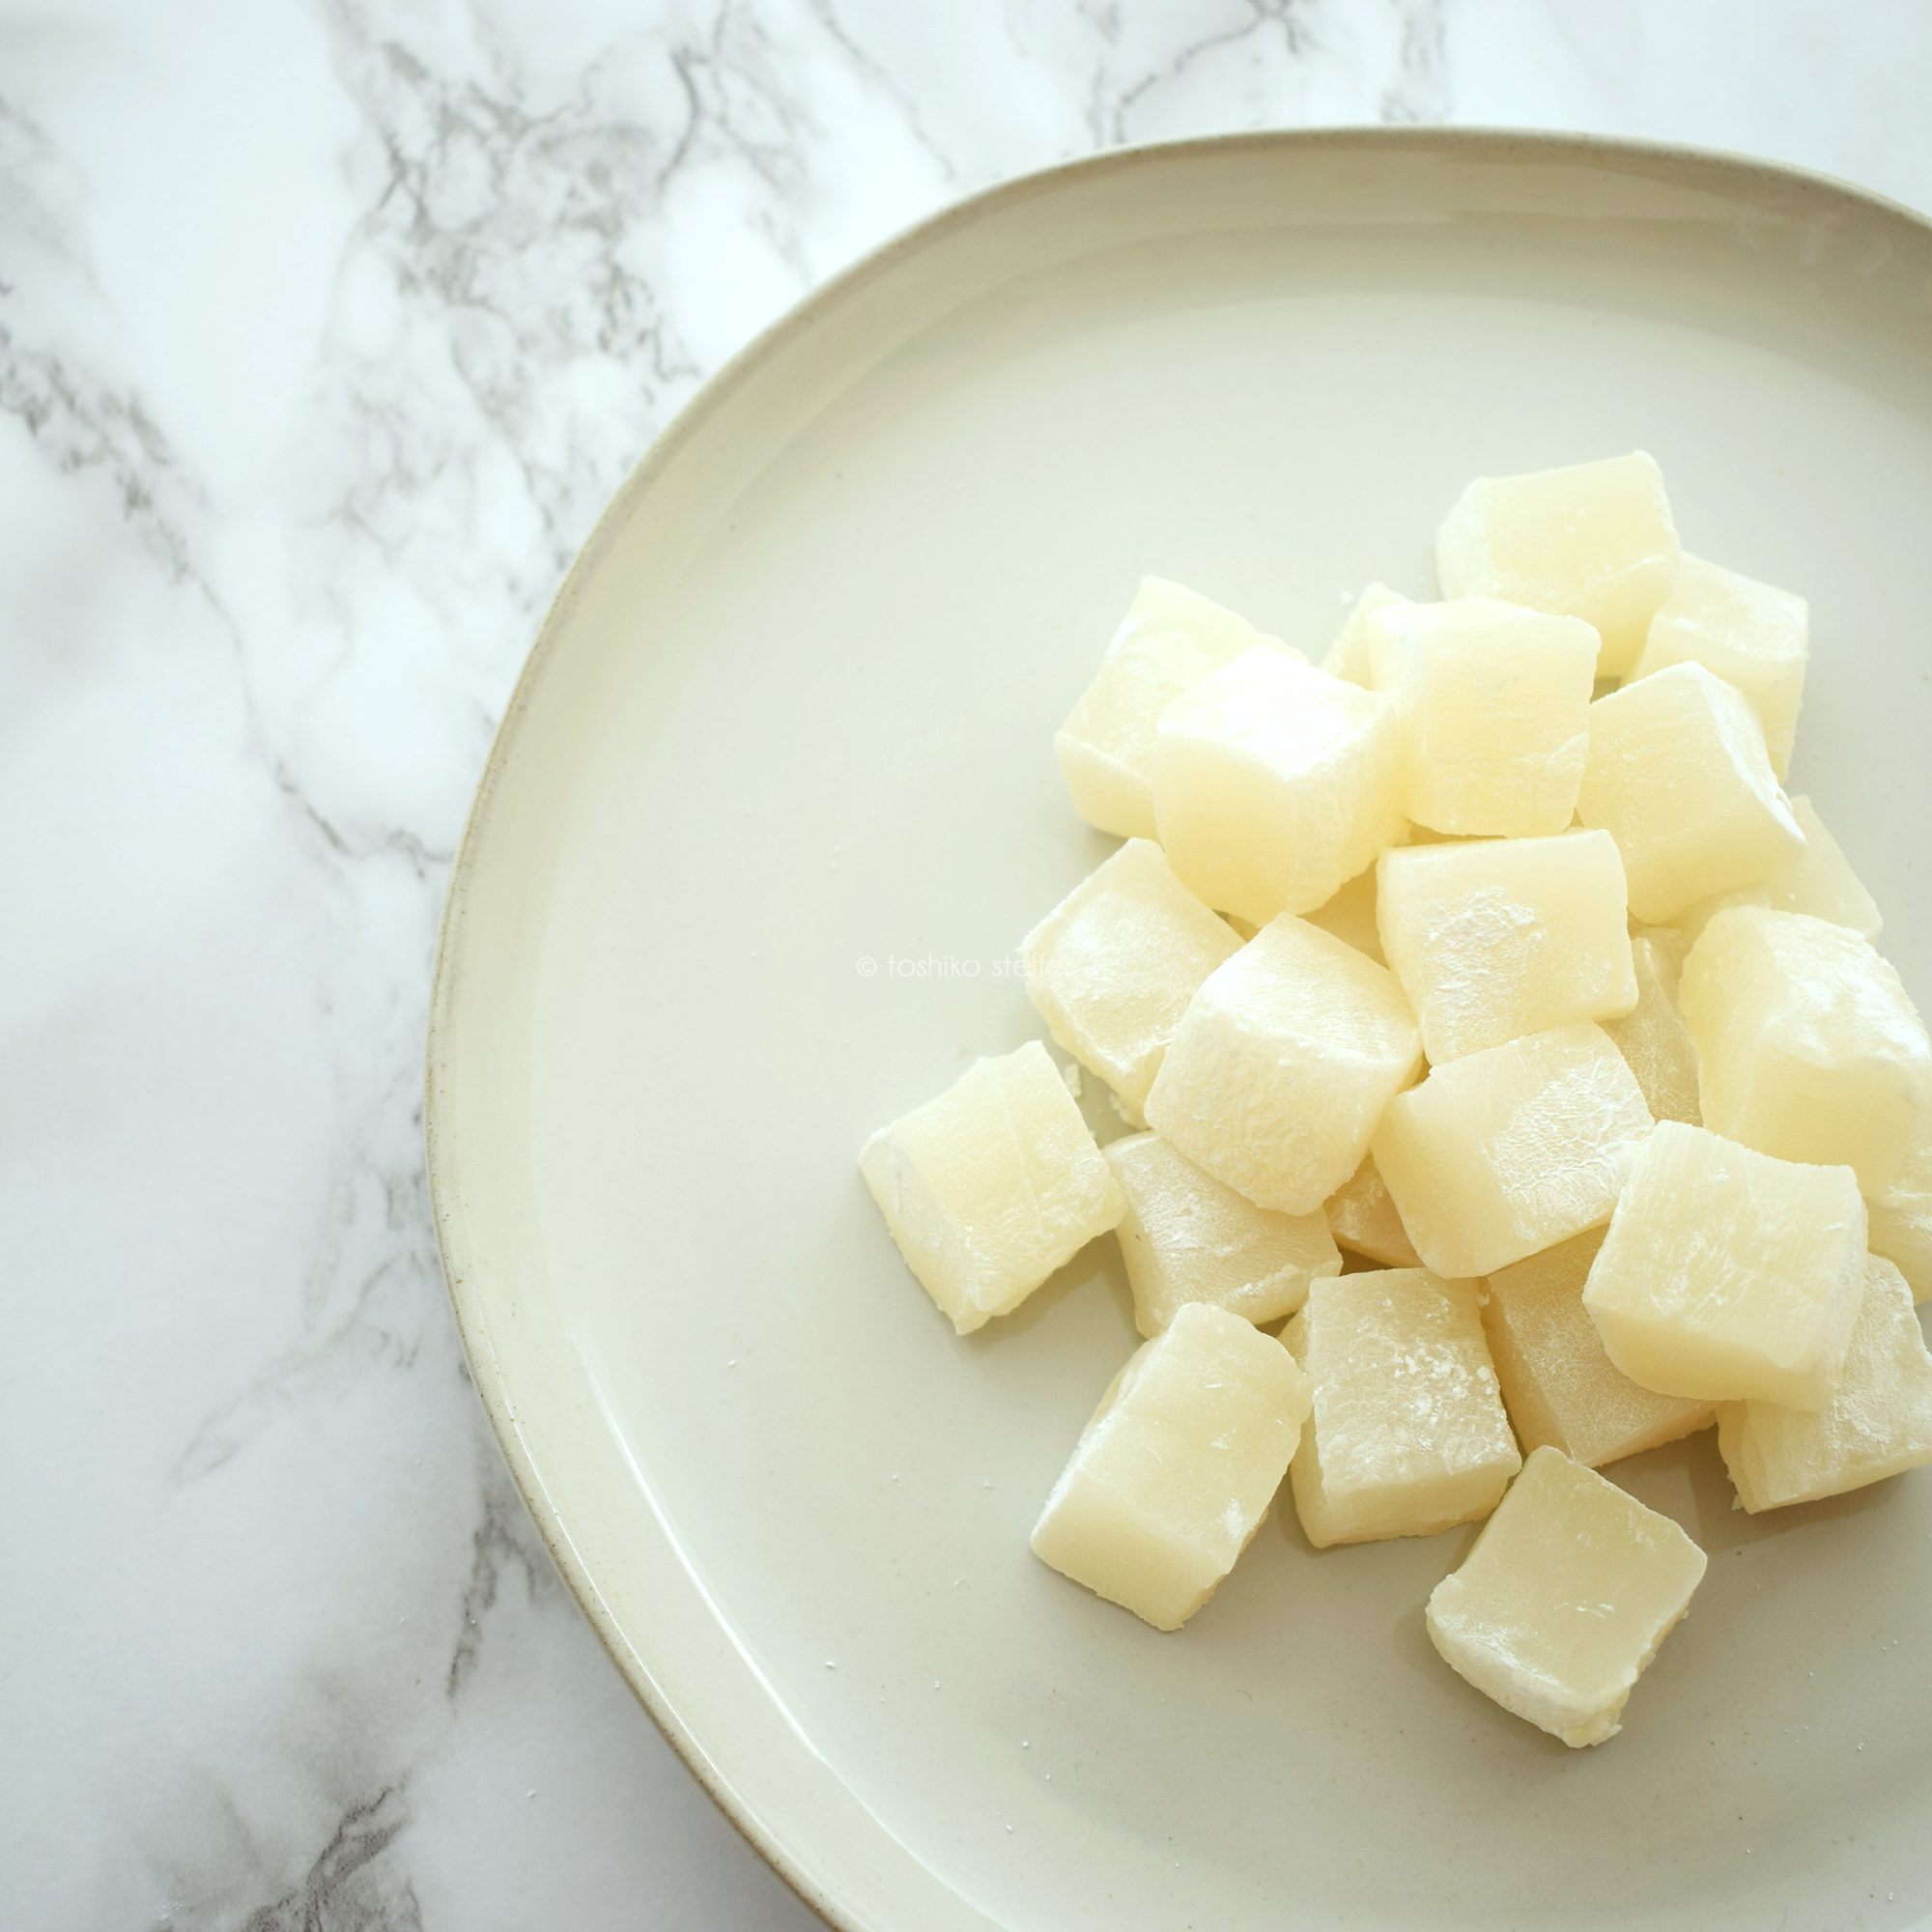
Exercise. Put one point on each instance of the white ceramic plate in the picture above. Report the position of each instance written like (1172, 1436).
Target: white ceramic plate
(773, 803)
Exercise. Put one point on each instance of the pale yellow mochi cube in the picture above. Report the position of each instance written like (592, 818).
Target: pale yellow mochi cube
(1495, 707)
(1677, 774)
(1407, 1434)
(1752, 635)
(1808, 1045)
(1187, 1238)
(1282, 1064)
(1178, 1466)
(992, 1186)
(1561, 1389)
(1564, 1598)
(1508, 1152)
(1651, 1035)
(1877, 1421)
(1727, 1275)
(1170, 638)
(1351, 916)
(1819, 880)
(1363, 1219)
(1503, 937)
(1114, 965)
(1593, 541)
(1274, 784)
(1347, 657)
(1901, 1218)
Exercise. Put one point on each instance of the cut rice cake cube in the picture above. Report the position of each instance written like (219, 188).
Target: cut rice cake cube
(1560, 1387)
(1351, 916)
(1406, 1435)
(1507, 1151)
(1185, 1238)
(1729, 1275)
(1677, 774)
(1819, 880)
(1752, 635)
(1347, 657)
(1274, 784)
(1363, 1219)
(1114, 965)
(1901, 1218)
(1651, 1035)
(1282, 1064)
(1564, 1598)
(1877, 1422)
(992, 1186)
(1494, 708)
(1808, 1045)
(1593, 541)
(1502, 937)
(1170, 638)
(1178, 1466)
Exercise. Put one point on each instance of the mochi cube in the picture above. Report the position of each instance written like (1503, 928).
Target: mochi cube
(1751, 633)
(1901, 1218)
(1180, 1462)
(1114, 965)
(1501, 937)
(1185, 1238)
(1170, 638)
(1351, 916)
(992, 1186)
(1494, 703)
(1651, 1035)
(1282, 1064)
(1727, 1275)
(1677, 774)
(1564, 1598)
(1507, 1151)
(1808, 1046)
(1348, 655)
(1407, 1434)
(1274, 784)
(1561, 1389)
(1593, 541)
(1876, 1422)
(1363, 1219)
(1819, 880)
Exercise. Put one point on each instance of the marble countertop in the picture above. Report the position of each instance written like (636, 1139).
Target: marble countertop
(325, 328)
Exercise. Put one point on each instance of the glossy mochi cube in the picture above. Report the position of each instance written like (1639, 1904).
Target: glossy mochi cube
(1502, 937)
(1752, 635)
(1187, 1238)
(1282, 1064)
(1564, 1598)
(1494, 702)
(1593, 541)
(1178, 1466)
(1406, 1435)
(1362, 1218)
(1347, 657)
(1677, 774)
(1114, 965)
(1651, 1035)
(1876, 1422)
(992, 1186)
(1508, 1152)
(1274, 784)
(1901, 1218)
(1818, 880)
(1729, 1275)
(1808, 1046)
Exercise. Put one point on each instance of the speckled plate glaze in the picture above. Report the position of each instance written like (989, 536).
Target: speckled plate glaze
(776, 800)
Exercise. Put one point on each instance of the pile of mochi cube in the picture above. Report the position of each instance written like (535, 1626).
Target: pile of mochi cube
(1492, 950)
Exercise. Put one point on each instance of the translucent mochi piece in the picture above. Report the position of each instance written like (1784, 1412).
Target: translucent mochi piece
(1877, 1421)
(1901, 1218)
(1507, 1151)
(1351, 916)
(1729, 1275)
(992, 1186)
(1282, 1064)
(1185, 1238)
(1594, 541)
(1348, 655)
(1114, 965)
(1651, 1035)
(1677, 774)
(1503, 937)
(1808, 1046)
(1561, 1389)
(1564, 1598)
(1819, 880)
(1494, 708)
(1751, 633)
(1363, 1219)
(1274, 784)
(1407, 1434)
(1180, 1462)
(1169, 639)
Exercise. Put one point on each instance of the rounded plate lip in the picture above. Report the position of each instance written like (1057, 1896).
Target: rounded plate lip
(1500, 143)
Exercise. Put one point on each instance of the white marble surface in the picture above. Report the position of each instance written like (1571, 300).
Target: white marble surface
(325, 328)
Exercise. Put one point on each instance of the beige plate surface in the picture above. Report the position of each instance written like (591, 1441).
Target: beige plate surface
(792, 714)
